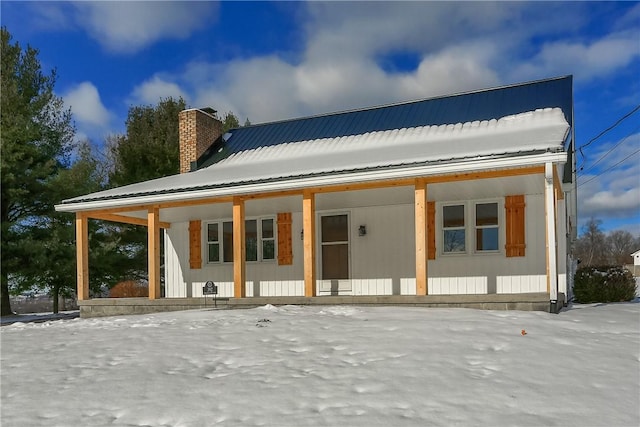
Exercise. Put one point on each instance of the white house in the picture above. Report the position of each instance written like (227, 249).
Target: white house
(468, 194)
(636, 257)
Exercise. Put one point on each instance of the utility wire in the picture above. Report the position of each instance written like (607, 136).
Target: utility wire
(620, 120)
(609, 168)
(609, 152)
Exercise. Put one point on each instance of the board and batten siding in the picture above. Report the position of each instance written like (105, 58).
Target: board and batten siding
(176, 262)
(381, 263)
(263, 278)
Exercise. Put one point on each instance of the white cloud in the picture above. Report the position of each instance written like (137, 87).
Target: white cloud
(86, 106)
(586, 60)
(615, 193)
(50, 16)
(126, 27)
(611, 203)
(455, 69)
(458, 47)
(154, 89)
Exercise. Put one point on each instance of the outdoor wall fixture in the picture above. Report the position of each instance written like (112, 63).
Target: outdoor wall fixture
(302, 234)
(362, 230)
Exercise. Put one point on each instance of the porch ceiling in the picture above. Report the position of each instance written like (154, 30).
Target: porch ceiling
(441, 192)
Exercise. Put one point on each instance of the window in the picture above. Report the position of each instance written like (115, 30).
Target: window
(453, 229)
(213, 242)
(268, 240)
(227, 241)
(260, 243)
(251, 239)
(480, 222)
(486, 227)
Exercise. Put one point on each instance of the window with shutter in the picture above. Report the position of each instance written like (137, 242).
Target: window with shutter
(260, 240)
(515, 211)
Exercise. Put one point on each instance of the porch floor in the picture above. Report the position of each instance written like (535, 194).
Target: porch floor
(121, 306)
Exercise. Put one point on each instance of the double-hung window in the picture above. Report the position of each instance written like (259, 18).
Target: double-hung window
(487, 235)
(480, 223)
(259, 240)
(213, 242)
(268, 239)
(453, 229)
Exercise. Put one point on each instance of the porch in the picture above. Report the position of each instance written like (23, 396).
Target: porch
(538, 301)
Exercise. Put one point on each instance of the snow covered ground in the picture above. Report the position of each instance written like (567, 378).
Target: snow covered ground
(326, 366)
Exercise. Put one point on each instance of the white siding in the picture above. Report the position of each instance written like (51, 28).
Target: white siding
(408, 286)
(387, 251)
(225, 289)
(522, 284)
(561, 232)
(457, 285)
(491, 265)
(381, 263)
(562, 284)
(176, 251)
(372, 286)
(271, 288)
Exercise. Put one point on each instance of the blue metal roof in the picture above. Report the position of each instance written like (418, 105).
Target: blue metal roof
(460, 108)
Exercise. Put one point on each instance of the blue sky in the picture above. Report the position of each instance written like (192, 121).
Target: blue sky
(276, 60)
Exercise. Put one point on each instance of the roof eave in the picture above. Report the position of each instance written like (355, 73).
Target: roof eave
(334, 178)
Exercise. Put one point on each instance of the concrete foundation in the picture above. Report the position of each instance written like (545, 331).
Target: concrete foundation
(121, 306)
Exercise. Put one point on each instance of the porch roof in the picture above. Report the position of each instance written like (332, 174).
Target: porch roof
(527, 138)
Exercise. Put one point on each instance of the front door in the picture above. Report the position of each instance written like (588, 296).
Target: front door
(334, 231)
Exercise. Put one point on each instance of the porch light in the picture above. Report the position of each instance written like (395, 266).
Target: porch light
(362, 230)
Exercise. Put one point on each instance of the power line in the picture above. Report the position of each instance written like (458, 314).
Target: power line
(620, 120)
(609, 168)
(609, 152)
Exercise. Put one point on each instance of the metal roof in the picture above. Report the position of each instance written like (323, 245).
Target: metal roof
(524, 139)
(465, 107)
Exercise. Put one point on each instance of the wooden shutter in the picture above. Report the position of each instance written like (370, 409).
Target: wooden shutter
(195, 245)
(515, 207)
(431, 230)
(285, 247)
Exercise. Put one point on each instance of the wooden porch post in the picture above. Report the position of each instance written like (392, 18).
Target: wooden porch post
(550, 225)
(420, 201)
(309, 229)
(82, 256)
(153, 251)
(239, 249)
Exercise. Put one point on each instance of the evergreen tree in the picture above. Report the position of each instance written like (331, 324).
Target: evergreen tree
(36, 136)
(150, 147)
(230, 121)
(52, 236)
(148, 150)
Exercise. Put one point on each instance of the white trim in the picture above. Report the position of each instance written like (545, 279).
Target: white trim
(442, 228)
(319, 181)
(499, 202)
(470, 227)
(550, 214)
(319, 242)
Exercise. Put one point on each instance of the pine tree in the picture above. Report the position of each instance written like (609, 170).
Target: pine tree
(36, 136)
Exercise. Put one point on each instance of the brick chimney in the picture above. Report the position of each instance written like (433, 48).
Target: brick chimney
(198, 129)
